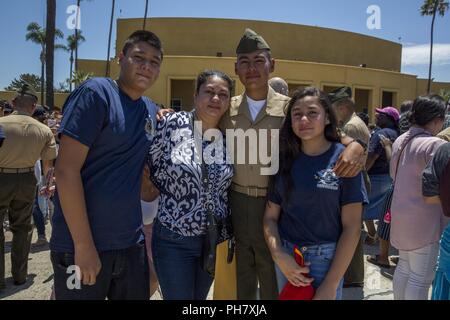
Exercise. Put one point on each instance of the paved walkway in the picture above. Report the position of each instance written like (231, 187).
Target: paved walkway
(378, 282)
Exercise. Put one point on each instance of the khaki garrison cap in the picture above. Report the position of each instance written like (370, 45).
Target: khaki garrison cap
(339, 94)
(250, 42)
(28, 90)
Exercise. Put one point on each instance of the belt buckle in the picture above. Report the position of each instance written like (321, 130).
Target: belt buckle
(250, 193)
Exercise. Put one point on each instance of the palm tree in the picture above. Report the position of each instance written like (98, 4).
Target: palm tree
(76, 37)
(445, 94)
(37, 34)
(79, 76)
(73, 42)
(145, 14)
(430, 8)
(50, 51)
(109, 37)
(76, 32)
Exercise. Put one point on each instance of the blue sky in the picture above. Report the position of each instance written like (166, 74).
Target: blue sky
(400, 22)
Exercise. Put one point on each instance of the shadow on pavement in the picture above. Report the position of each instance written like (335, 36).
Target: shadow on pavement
(13, 289)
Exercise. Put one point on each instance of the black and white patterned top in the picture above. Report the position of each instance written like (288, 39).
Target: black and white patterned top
(176, 171)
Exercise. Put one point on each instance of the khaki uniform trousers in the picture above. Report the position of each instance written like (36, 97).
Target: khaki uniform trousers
(252, 263)
(17, 194)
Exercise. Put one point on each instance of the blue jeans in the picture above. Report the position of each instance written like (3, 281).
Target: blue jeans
(124, 276)
(39, 218)
(441, 283)
(177, 261)
(320, 257)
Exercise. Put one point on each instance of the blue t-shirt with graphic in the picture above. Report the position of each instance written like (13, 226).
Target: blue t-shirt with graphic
(312, 214)
(117, 131)
(381, 165)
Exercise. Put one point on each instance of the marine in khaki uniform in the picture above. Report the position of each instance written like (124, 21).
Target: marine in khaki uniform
(259, 107)
(352, 126)
(26, 141)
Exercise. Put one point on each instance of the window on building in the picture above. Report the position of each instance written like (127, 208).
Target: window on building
(389, 98)
(182, 94)
(296, 86)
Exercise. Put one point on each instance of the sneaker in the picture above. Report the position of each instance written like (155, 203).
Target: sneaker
(41, 241)
(394, 260)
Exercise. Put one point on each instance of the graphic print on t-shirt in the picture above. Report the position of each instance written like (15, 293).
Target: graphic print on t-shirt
(327, 179)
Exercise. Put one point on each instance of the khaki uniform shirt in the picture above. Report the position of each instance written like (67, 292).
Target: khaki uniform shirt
(27, 140)
(356, 128)
(269, 118)
(445, 134)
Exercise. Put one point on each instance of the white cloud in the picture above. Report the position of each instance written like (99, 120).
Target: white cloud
(420, 55)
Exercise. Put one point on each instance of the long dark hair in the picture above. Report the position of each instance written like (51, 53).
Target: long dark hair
(290, 143)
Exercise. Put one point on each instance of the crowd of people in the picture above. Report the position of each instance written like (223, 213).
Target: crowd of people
(141, 203)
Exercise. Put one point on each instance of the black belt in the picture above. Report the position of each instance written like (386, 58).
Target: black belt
(17, 170)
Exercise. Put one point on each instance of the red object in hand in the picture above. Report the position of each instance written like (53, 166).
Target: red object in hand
(49, 188)
(387, 217)
(291, 292)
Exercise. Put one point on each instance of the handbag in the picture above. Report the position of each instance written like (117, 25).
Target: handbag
(218, 229)
(389, 196)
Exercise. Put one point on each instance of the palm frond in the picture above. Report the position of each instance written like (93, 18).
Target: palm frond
(59, 34)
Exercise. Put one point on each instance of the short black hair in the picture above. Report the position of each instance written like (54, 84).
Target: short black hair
(345, 102)
(143, 36)
(406, 106)
(205, 75)
(267, 53)
(427, 108)
(364, 117)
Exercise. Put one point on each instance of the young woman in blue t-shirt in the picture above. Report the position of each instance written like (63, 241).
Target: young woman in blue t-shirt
(308, 205)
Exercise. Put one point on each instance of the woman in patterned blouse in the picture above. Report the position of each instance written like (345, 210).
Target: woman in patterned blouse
(175, 162)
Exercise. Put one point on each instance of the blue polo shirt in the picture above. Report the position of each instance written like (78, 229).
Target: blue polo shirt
(311, 215)
(116, 130)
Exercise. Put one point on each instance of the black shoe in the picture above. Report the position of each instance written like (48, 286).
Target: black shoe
(19, 283)
(354, 285)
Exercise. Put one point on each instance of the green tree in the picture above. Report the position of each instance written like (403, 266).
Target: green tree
(37, 34)
(32, 79)
(431, 8)
(76, 31)
(444, 93)
(63, 87)
(73, 41)
(50, 52)
(76, 37)
(79, 76)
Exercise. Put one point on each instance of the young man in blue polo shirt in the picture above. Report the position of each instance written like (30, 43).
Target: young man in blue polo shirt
(105, 135)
